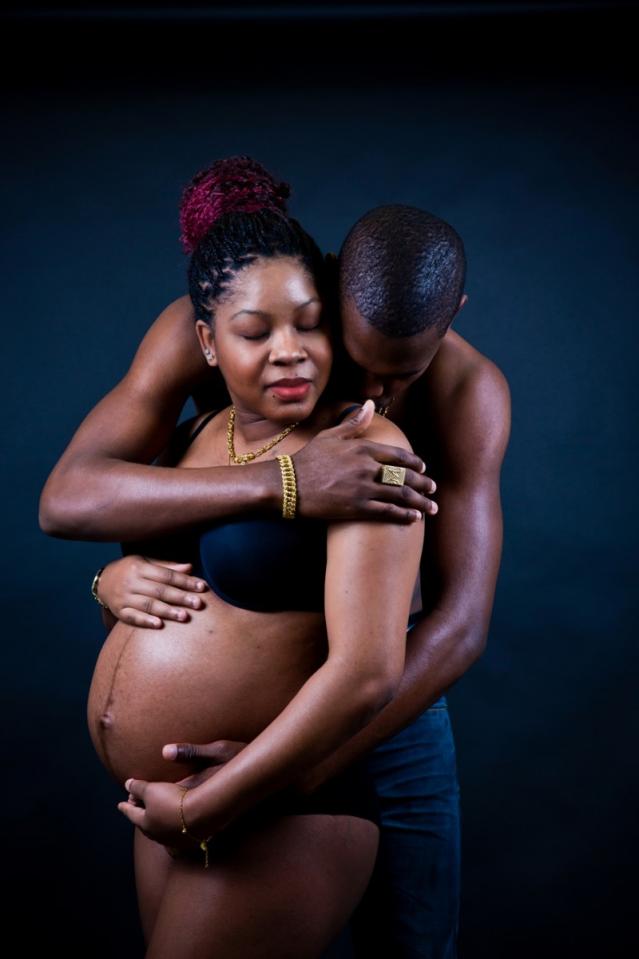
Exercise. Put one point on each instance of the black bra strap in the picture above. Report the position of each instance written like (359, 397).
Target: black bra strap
(201, 426)
(348, 409)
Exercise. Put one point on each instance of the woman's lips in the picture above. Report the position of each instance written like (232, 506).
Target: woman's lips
(291, 390)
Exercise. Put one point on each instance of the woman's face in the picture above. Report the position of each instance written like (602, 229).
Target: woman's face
(269, 327)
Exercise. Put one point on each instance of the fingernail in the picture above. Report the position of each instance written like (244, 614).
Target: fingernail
(417, 514)
(423, 469)
(127, 783)
(201, 585)
(170, 752)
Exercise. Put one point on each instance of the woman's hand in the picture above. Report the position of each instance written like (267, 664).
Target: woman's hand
(142, 591)
(154, 807)
(155, 810)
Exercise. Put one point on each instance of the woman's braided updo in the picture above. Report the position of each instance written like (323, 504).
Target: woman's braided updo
(231, 213)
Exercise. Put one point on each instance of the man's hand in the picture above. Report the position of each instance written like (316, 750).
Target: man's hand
(338, 476)
(142, 591)
(211, 756)
(151, 806)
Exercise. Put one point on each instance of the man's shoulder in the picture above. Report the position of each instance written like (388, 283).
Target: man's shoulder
(384, 430)
(179, 310)
(470, 408)
(464, 375)
(173, 327)
(485, 383)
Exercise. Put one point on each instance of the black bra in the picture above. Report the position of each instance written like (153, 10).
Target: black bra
(264, 564)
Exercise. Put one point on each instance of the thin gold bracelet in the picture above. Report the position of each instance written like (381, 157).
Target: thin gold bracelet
(289, 486)
(94, 589)
(203, 843)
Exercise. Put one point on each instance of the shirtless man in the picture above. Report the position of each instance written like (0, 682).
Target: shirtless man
(400, 280)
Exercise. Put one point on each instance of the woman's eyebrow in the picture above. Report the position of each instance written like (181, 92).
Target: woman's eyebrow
(313, 299)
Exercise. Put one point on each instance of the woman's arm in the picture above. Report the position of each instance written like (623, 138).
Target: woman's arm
(370, 576)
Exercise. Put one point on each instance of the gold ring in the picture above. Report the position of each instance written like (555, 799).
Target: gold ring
(393, 475)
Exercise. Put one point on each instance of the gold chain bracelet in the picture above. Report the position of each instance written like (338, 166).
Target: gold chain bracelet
(289, 485)
(203, 843)
(94, 589)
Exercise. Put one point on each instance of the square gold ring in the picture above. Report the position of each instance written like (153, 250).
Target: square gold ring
(393, 475)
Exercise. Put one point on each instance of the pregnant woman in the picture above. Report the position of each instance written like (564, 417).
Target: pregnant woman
(302, 638)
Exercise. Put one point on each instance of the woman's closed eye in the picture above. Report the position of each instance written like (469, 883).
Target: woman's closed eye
(301, 329)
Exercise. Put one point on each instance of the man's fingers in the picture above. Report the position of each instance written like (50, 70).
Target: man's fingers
(389, 512)
(358, 421)
(193, 752)
(219, 751)
(395, 456)
(410, 494)
(420, 482)
(404, 497)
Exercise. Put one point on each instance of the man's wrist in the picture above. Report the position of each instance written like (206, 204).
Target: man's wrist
(270, 484)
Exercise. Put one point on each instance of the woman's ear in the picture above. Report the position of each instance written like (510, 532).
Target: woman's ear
(205, 337)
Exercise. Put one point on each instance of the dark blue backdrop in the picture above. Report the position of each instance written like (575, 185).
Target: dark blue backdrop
(518, 129)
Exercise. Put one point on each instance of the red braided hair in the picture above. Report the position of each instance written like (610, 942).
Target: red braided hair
(236, 183)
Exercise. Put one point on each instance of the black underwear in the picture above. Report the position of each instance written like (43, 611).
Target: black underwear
(350, 793)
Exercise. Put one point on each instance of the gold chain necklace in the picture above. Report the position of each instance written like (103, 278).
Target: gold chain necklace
(383, 410)
(247, 457)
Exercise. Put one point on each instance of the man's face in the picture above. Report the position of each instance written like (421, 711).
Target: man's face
(384, 366)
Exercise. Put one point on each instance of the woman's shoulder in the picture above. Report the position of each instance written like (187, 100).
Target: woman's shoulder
(183, 436)
(383, 430)
(380, 429)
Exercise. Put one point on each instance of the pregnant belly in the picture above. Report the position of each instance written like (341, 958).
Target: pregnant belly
(225, 674)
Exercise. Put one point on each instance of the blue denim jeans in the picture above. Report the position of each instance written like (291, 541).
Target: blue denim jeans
(410, 909)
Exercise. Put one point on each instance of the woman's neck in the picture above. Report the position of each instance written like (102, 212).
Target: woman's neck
(252, 429)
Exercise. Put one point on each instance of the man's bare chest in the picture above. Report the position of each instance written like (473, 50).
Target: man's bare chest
(412, 412)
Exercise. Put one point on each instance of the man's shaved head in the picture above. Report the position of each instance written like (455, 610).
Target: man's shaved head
(404, 269)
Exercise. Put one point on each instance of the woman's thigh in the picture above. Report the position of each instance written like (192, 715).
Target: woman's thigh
(283, 888)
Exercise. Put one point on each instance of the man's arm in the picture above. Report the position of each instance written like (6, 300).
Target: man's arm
(462, 552)
(104, 477)
(104, 488)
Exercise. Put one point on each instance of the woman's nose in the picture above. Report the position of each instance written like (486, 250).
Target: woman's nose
(287, 348)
